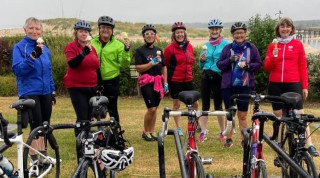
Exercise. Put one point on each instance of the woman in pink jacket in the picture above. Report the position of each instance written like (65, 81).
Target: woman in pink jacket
(287, 64)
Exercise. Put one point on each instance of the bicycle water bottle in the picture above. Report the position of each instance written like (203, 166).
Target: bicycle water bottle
(6, 166)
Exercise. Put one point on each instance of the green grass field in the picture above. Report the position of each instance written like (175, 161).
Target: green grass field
(227, 162)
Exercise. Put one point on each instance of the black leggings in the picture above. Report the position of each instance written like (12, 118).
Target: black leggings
(42, 110)
(111, 91)
(211, 83)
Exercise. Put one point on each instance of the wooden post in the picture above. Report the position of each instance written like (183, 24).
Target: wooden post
(134, 74)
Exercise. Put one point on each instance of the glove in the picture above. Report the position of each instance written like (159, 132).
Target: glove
(154, 61)
(246, 67)
(53, 98)
(85, 51)
(232, 58)
(166, 87)
(37, 51)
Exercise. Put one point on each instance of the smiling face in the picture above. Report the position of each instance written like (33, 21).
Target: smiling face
(285, 30)
(149, 36)
(81, 35)
(33, 30)
(105, 32)
(179, 35)
(239, 36)
(215, 32)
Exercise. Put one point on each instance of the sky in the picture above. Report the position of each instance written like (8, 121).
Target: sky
(14, 12)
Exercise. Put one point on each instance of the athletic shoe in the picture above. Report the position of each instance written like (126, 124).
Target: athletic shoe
(34, 169)
(202, 137)
(179, 130)
(147, 137)
(154, 137)
(221, 137)
(228, 143)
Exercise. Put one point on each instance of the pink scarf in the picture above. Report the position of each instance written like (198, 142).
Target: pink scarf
(157, 80)
(216, 41)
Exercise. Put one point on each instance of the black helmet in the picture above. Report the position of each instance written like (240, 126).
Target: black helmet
(82, 24)
(106, 20)
(237, 26)
(149, 27)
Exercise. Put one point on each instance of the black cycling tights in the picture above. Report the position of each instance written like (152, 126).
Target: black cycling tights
(111, 91)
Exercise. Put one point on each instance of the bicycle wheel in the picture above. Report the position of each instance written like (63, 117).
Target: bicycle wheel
(195, 166)
(88, 170)
(307, 164)
(261, 170)
(48, 161)
(286, 139)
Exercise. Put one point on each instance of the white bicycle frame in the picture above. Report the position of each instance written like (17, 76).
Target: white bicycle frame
(18, 140)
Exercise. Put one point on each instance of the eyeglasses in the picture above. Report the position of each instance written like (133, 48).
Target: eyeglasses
(147, 34)
(239, 33)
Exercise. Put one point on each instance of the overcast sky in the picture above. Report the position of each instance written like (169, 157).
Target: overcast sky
(14, 12)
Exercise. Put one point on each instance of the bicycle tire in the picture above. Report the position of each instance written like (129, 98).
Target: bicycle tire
(52, 151)
(286, 144)
(195, 167)
(87, 170)
(261, 170)
(306, 162)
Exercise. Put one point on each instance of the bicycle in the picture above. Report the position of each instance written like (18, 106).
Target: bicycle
(253, 163)
(191, 164)
(293, 138)
(22, 107)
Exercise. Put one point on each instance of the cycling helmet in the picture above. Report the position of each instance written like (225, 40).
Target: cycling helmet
(106, 20)
(237, 26)
(82, 24)
(215, 23)
(178, 25)
(149, 27)
(117, 160)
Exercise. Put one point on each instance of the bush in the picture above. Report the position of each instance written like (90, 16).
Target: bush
(8, 86)
(261, 33)
(314, 73)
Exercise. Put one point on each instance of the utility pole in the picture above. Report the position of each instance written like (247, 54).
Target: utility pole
(279, 14)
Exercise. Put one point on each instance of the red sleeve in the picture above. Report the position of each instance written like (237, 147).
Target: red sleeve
(268, 63)
(303, 68)
(71, 51)
(167, 55)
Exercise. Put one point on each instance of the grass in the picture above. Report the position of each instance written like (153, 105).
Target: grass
(226, 162)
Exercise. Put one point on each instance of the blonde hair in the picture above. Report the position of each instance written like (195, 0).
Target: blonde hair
(30, 20)
(285, 21)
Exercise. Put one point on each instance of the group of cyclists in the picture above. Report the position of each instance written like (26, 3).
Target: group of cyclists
(227, 68)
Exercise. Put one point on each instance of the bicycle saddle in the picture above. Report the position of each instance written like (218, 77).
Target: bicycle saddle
(189, 97)
(29, 103)
(292, 98)
(98, 100)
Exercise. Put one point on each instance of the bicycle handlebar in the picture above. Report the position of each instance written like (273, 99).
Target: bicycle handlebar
(87, 124)
(195, 114)
(258, 97)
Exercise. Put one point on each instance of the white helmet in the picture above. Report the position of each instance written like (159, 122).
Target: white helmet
(116, 160)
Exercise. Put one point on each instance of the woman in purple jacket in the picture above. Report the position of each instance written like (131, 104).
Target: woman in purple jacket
(238, 62)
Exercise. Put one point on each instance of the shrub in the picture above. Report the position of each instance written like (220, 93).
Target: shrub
(314, 73)
(8, 86)
(5, 57)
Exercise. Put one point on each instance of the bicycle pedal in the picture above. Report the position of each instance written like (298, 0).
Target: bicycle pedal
(206, 161)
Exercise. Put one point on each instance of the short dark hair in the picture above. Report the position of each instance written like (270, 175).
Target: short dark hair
(285, 21)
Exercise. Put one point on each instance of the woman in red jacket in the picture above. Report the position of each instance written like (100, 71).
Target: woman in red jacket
(178, 56)
(287, 64)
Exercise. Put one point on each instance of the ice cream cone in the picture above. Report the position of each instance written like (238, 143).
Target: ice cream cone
(204, 47)
(40, 40)
(275, 43)
(158, 53)
(125, 36)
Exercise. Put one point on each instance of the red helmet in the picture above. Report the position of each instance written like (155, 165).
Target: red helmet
(178, 25)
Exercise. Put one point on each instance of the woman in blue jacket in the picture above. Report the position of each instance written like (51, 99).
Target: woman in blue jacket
(211, 76)
(31, 63)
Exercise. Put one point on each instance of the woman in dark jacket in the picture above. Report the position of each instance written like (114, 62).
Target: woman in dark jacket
(238, 62)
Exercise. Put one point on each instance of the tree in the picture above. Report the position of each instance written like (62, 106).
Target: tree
(261, 33)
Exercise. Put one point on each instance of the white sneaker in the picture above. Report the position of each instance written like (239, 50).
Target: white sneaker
(34, 169)
(47, 160)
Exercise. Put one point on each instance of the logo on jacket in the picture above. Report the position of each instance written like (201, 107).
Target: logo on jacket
(290, 48)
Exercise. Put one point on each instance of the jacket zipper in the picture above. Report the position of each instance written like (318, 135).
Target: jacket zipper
(284, 49)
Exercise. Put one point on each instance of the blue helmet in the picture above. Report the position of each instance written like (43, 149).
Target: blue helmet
(82, 24)
(215, 23)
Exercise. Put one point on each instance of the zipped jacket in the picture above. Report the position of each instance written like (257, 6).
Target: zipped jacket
(178, 62)
(289, 66)
(112, 56)
(34, 77)
(226, 67)
(212, 56)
